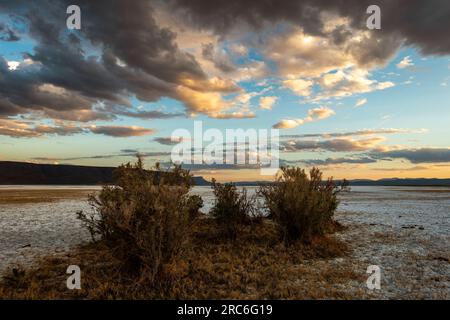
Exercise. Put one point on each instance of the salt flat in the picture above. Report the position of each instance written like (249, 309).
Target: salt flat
(405, 231)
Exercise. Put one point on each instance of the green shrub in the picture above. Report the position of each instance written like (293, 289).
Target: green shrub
(231, 208)
(302, 206)
(144, 218)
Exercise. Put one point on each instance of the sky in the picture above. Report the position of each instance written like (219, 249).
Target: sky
(355, 102)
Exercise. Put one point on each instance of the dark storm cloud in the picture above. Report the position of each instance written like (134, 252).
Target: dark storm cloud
(129, 30)
(130, 56)
(221, 62)
(424, 24)
(7, 34)
(24, 89)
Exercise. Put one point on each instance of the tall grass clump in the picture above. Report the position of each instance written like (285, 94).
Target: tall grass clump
(231, 208)
(303, 206)
(144, 218)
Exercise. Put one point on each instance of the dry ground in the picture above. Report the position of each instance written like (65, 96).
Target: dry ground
(22, 196)
(256, 266)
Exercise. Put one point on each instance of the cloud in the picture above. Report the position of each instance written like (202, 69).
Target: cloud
(67, 75)
(405, 63)
(219, 58)
(121, 131)
(335, 69)
(122, 153)
(320, 113)
(92, 74)
(415, 156)
(299, 86)
(316, 55)
(154, 114)
(266, 103)
(239, 49)
(7, 34)
(21, 129)
(360, 102)
(347, 82)
(420, 155)
(233, 115)
(225, 17)
(288, 124)
(13, 65)
(334, 161)
(313, 115)
(415, 168)
(354, 133)
(334, 145)
(202, 102)
(169, 141)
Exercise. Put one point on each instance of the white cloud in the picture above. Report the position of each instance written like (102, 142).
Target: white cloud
(239, 49)
(267, 103)
(345, 83)
(405, 63)
(360, 102)
(315, 114)
(288, 124)
(299, 86)
(13, 65)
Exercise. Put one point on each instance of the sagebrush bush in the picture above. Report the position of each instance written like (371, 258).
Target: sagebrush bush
(231, 207)
(303, 206)
(194, 204)
(144, 218)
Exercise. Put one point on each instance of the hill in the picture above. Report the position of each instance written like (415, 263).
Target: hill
(18, 173)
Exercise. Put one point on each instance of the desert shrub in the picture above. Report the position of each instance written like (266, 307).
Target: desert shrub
(194, 204)
(303, 206)
(231, 207)
(144, 218)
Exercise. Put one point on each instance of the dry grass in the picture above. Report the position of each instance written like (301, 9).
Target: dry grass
(255, 266)
(19, 196)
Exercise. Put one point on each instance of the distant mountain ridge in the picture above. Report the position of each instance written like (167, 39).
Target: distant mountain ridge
(412, 182)
(23, 173)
